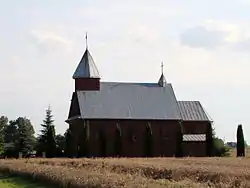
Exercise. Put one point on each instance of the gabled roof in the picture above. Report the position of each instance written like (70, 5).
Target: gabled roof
(86, 68)
(192, 111)
(129, 101)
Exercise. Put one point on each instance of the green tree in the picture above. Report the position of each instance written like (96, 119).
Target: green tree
(220, 150)
(11, 139)
(240, 142)
(26, 138)
(148, 141)
(218, 146)
(51, 142)
(46, 140)
(3, 124)
(118, 140)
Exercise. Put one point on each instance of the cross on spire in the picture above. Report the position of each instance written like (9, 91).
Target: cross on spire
(86, 40)
(162, 67)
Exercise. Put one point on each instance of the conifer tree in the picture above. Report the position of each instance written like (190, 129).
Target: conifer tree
(240, 142)
(46, 140)
(148, 141)
(51, 142)
(118, 141)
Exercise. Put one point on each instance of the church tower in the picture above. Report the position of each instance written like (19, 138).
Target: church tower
(86, 75)
(162, 81)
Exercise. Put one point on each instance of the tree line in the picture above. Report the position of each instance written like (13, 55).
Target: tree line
(17, 137)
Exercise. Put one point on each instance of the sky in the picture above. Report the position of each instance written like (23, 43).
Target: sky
(204, 45)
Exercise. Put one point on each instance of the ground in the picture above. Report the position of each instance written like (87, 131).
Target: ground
(137, 172)
(18, 182)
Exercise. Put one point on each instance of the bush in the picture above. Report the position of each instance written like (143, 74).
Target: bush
(220, 150)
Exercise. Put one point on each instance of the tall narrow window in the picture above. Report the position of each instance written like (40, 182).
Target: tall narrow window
(118, 140)
(148, 141)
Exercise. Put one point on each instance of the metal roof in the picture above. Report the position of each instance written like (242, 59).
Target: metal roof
(194, 137)
(86, 68)
(117, 100)
(192, 111)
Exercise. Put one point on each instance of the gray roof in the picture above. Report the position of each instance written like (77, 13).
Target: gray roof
(192, 111)
(194, 137)
(129, 101)
(86, 68)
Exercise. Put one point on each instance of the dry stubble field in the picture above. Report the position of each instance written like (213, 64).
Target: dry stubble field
(136, 172)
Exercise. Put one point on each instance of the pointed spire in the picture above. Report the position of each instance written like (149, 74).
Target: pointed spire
(162, 81)
(86, 68)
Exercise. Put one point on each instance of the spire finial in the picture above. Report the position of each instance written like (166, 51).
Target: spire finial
(86, 40)
(162, 67)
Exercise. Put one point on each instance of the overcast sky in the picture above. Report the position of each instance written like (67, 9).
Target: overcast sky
(205, 46)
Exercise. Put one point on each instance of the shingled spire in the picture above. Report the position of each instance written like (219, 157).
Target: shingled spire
(86, 68)
(162, 81)
(86, 74)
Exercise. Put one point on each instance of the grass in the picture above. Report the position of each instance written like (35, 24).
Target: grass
(135, 172)
(7, 181)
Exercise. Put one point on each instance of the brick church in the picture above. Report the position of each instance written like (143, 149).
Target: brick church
(107, 119)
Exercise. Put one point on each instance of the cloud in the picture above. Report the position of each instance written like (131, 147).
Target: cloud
(212, 34)
(200, 37)
(47, 41)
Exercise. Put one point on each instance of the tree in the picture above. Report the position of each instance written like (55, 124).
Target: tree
(240, 142)
(46, 140)
(148, 141)
(26, 138)
(118, 141)
(216, 145)
(220, 150)
(3, 124)
(11, 139)
(51, 142)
